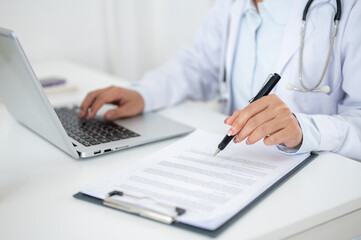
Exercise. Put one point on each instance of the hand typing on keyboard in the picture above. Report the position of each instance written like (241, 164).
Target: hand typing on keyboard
(129, 103)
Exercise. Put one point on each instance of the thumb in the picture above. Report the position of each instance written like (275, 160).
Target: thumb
(127, 110)
(116, 113)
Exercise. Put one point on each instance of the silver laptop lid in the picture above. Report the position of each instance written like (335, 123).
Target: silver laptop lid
(24, 97)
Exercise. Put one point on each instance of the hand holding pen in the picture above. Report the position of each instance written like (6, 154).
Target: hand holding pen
(268, 118)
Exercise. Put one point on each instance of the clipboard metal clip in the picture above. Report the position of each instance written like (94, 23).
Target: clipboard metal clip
(141, 211)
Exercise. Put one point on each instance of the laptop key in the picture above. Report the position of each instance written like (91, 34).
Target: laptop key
(94, 142)
(104, 140)
(115, 138)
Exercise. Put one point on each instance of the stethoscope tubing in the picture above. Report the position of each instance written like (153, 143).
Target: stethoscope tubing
(324, 89)
(334, 33)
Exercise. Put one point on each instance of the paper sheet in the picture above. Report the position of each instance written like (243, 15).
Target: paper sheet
(211, 189)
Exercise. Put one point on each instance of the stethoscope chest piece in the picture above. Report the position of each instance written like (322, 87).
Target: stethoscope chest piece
(324, 89)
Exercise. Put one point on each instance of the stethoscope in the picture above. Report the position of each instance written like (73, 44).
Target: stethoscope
(324, 89)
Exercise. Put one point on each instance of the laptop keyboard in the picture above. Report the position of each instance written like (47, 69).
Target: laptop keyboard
(91, 131)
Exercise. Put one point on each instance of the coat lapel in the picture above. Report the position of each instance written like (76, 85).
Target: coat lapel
(292, 36)
(235, 14)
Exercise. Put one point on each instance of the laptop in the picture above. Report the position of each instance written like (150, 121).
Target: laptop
(23, 95)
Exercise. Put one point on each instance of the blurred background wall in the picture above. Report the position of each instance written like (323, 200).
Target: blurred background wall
(121, 37)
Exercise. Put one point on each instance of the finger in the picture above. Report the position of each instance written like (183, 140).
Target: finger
(255, 122)
(295, 138)
(292, 132)
(277, 137)
(230, 120)
(88, 101)
(227, 120)
(264, 130)
(246, 114)
(106, 97)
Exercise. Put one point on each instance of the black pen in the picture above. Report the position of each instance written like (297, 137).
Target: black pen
(265, 90)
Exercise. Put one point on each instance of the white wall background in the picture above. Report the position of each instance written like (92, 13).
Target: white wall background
(123, 37)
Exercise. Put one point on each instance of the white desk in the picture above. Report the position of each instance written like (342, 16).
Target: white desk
(37, 181)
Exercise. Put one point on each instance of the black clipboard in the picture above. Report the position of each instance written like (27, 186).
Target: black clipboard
(222, 228)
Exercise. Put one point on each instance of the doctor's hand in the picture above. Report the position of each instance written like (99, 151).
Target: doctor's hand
(129, 103)
(269, 119)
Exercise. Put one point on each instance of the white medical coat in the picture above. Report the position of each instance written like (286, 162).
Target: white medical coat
(197, 72)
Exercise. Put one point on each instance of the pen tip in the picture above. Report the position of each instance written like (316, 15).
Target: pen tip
(217, 151)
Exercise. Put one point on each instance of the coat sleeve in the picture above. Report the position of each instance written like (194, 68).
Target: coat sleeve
(194, 72)
(341, 133)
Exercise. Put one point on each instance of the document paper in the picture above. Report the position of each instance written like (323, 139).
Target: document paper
(186, 175)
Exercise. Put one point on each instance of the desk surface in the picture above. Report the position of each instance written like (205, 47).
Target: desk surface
(37, 181)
